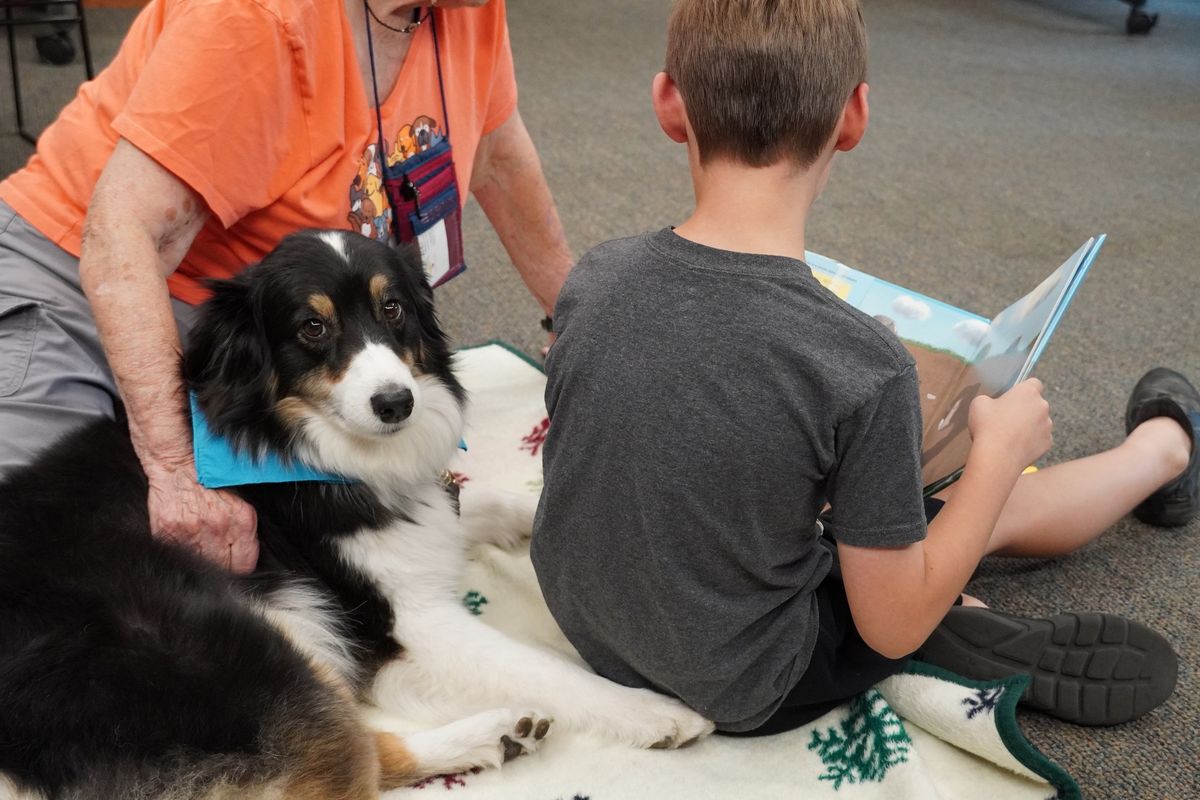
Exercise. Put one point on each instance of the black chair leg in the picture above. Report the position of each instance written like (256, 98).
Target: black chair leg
(16, 76)
(83, 40)
(10, 23)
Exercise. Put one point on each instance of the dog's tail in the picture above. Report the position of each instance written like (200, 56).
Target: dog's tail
(331, 754)
(313, 746)
(328, 753)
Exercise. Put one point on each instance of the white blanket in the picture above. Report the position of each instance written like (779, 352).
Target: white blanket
(924, 734)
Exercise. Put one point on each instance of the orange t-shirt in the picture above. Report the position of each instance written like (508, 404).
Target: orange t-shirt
(259, 107)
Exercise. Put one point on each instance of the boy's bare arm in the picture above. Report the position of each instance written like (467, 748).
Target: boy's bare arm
(898, 595)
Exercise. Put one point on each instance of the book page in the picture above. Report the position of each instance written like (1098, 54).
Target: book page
(1005, 352)
(941, 338)
(1005, 355)
(959, 355)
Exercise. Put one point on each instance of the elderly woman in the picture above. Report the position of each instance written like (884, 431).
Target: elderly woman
(218, 128)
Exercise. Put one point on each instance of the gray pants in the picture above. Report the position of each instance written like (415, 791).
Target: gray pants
(54, 376)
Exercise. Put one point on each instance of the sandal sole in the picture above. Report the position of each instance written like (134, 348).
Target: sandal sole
(1088, 668)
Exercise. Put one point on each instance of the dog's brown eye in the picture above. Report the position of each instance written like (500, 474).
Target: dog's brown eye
(391, 309)
(313, 328)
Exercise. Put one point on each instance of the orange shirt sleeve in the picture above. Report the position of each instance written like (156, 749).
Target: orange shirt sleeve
(221, 103)
(502, 94)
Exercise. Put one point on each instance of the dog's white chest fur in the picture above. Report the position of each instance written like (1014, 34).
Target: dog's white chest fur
(414, 562)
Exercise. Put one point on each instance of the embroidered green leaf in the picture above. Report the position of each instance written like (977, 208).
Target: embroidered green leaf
(474, 602)
(865, 745)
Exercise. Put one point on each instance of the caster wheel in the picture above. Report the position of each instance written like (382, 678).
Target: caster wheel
(56, 48)
(1139, 21)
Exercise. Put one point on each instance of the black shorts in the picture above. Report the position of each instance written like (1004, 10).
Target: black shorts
(842, 664)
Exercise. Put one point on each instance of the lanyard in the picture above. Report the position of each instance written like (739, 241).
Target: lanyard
(375, 83)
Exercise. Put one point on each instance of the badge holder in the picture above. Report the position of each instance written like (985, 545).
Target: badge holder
(423, 189)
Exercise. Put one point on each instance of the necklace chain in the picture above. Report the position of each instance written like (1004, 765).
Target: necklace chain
(417, 19)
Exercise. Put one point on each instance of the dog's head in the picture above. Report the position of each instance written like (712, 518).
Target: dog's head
(329, 351)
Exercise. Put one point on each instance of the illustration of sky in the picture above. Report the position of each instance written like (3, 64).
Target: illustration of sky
(918, 318)
(922, 319)
(911, 315)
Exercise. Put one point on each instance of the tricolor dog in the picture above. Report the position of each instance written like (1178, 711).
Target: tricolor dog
(130, 668)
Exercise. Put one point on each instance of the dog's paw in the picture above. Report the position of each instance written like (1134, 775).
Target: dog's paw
(526, 736)
(483, 740)
(644, 718)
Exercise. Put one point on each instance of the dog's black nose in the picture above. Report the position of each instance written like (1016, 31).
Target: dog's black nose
(392, 405)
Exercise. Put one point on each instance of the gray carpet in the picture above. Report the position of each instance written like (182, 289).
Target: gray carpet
(1004, 133)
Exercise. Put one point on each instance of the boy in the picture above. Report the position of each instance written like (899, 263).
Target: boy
(708, 399)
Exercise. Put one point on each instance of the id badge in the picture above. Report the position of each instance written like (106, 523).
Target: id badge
(423, 192)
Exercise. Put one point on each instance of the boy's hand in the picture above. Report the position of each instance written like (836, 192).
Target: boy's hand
(1015, 425)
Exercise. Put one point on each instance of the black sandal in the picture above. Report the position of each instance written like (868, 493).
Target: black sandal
(1163, 392)
(1089, 668)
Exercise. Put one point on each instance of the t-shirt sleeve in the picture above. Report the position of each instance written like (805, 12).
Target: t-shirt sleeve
(219, 103)
(875, 488)
(502, 94)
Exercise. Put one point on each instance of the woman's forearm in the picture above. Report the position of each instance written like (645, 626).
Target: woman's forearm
(512, 191)
(129, 248)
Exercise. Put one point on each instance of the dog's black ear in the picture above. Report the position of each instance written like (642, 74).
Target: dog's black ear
(431, 329)
(407, 262)
(227, 362)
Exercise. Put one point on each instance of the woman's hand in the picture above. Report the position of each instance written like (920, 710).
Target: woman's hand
(215, 523)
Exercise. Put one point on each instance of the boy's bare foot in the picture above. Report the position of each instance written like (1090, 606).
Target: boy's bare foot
(1162, 392)
(1090, 669)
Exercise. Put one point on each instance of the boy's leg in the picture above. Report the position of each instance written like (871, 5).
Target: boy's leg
(1058, 509)
(1155, 473)
(1094, 669)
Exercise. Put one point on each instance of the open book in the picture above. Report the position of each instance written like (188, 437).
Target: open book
(959, 354)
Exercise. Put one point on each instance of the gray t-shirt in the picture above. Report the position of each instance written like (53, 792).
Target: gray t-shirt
(705, 405)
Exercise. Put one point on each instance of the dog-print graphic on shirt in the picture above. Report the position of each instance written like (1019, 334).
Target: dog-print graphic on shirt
(370, 213)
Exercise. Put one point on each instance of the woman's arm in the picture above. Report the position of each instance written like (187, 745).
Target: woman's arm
(140, 223)
(510, 187)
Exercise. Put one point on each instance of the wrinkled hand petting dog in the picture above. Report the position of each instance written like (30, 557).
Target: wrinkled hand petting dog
(131, 668)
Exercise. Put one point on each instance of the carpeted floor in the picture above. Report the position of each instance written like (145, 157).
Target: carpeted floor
(1004, 133)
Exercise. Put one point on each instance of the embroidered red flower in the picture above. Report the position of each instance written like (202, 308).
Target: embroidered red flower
(534, 439)
(448, 781)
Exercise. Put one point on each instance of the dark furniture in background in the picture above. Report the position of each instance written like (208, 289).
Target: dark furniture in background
(62, 14)
(1138, 20)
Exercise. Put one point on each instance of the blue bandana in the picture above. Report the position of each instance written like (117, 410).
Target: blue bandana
(218, 465)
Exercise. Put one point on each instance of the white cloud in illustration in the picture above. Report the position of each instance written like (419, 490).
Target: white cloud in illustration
(971, 331)
(911, 308)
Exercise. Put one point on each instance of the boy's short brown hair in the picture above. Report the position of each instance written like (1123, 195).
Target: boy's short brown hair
(765, 80)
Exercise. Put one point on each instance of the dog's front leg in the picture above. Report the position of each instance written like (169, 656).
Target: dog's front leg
(453, 658)
(497, 517)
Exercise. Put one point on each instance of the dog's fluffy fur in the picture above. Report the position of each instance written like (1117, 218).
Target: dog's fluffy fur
(131, 668)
